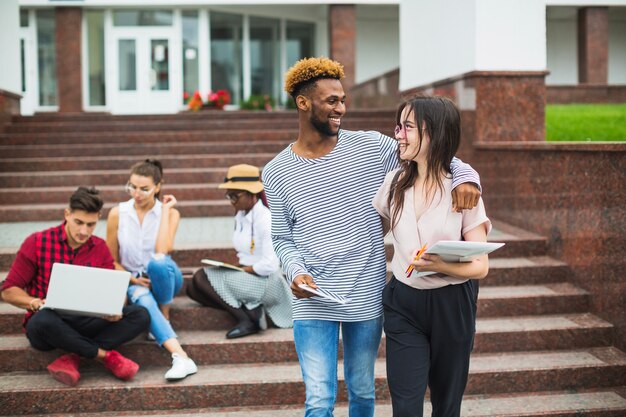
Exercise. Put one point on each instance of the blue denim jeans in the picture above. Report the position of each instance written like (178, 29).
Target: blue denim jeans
(317, 342)
(166, 279)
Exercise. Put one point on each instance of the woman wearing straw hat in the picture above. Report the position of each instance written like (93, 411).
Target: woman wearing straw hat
(260, 287)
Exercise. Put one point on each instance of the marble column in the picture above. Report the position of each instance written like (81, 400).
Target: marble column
(342, 35)
(68, 58)
(593, 45)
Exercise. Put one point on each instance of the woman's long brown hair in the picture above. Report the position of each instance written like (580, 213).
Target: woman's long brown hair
(441, 120)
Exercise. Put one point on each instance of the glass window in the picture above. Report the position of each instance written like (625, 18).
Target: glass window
(300, 41)
(226, 44)
(46, 57)
(23, 62)
(191, 81)
(127, 65)
(159, 65)
(133, 17)
(265, 57)
(24, 18)
(95, 56)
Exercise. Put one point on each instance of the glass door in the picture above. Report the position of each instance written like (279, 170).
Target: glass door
(142, 72)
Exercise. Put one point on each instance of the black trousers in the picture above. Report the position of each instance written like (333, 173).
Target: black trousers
(430, 335)
(48, 330)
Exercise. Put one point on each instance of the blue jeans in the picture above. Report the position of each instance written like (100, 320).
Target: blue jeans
(317, 343)
(166, 280)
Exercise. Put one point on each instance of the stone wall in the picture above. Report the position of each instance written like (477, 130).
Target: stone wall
(575, 196)
(9, 107)
(566, 94)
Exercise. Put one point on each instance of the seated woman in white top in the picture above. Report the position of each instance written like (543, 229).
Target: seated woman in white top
(429, 321)
(260, 288)
(140, 234)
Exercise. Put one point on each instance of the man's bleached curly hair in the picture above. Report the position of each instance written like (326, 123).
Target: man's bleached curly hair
(308, 70)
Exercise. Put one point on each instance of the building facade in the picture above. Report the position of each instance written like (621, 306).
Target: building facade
(149, 56)
(145, 56)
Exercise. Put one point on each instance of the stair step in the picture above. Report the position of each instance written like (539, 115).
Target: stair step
(109, 193)
(124, 162)
(178, 124)
(525, 270)
(281, 383)
(524, 332)
(184, 255)
(531, 299)
(596, 403)
(120, 149)
(85, 117)
(44, 212)
(116, 177)
(52, 137)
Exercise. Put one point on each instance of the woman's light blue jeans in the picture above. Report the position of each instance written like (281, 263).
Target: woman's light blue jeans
(166, 280)
(317, 342)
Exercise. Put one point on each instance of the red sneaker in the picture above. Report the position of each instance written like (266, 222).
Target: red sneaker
(65, 369)
(121, 367)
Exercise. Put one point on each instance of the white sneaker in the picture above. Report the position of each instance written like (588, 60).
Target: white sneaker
(181, 368)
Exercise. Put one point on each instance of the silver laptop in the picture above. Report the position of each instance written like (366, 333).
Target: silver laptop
(86, 291)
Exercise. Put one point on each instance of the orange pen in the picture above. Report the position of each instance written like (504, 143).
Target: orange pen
(409, 270)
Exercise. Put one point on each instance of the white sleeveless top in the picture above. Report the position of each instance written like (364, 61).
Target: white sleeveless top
(137, 241)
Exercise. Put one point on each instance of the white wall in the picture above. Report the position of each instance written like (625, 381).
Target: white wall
(10, 70)
(562, 49)
(436, 40)
(452, 37)
(510, 35)
(377, 41)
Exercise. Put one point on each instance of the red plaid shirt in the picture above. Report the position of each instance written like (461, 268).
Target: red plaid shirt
(33, 263)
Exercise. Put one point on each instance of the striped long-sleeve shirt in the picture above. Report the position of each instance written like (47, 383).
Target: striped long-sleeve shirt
(324, 224)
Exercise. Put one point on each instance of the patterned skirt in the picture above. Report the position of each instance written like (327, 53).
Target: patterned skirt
(238, 288)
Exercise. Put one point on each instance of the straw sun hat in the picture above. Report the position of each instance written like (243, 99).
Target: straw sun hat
(243, 177)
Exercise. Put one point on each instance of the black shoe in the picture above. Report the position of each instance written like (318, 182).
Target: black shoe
(257, 315)
(241, 330)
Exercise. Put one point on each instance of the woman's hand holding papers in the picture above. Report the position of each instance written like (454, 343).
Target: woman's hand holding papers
(302, 279)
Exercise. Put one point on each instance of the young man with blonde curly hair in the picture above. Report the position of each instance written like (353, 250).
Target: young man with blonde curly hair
(327, 234)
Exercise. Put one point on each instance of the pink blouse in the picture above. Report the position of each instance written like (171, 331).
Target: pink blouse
(437, 223)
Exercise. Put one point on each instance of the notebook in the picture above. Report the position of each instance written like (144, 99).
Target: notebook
(86, 291)
(459, 251)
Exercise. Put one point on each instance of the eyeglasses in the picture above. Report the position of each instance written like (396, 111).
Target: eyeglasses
(234, 197)
(402, 129)
(132, 190)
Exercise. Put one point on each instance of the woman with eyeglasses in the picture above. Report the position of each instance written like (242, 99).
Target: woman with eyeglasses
(140, 235)
(259, 287)
(429, 304)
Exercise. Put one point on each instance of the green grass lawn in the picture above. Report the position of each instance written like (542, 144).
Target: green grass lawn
(586, 122)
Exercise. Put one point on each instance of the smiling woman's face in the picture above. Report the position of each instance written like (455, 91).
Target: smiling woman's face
(408, 138)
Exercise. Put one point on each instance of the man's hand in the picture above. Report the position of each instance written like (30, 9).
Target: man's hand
(302, 279)
(465, 196)
(35, 304)
(116, 317)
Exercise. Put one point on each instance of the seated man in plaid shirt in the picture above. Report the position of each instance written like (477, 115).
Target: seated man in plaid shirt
(26, 287)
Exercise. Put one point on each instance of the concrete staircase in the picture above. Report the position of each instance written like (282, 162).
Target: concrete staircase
(538, 350)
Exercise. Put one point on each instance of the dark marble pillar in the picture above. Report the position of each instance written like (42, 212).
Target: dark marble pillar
(342, 35)
(510, 106)
(497, 106)
(593, 45)
(68, 57)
